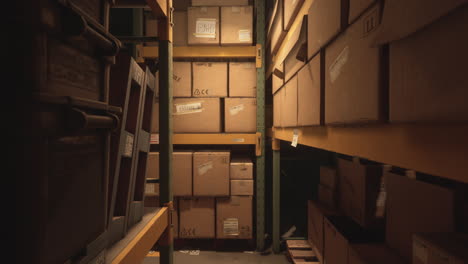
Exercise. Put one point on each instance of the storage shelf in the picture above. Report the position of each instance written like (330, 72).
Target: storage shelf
(210, 139)
(440, 150)
(158, 7)
(134, 247)
(151, 52)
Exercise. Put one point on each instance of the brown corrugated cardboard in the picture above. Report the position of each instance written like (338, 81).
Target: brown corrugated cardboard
(356, 90)
(328, 177)
(153, 201)
(440, 248)
(291, 8)
(373, 253)
(193, 115)
(289, 104)
(219, 2)
(234, 217)
(151, 29)
(357, 7)
(309, 94)
(414, 206)
(182, 173)
(210, 79)
(155, 117)
(242, 79)
(197, 218)
(359, 188)
(315, 224)
(236, 25)
(277, 32)
(327, 196)
(211, 173)
(277, 82)
(402, 18)
(180, 27)
(181, 5)
(240, 115)
(428, 82)
(152, 170)
(326, 18)
(182, 79)
(296, 56)
(277, 108)
(203, 25)
(242, 187)
(241, 169)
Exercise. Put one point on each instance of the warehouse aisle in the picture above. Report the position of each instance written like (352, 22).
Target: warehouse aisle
(208, 257)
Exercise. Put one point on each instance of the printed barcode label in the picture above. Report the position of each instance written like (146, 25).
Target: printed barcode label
(188, 108)
(204, 168)
(128, 146)
(205, 28)
(231, 227)
(245, 35)
(234, 110)
(337, 65)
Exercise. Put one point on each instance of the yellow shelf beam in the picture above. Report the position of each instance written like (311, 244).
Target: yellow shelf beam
(437, 150)
(150, 52)
(210, 139)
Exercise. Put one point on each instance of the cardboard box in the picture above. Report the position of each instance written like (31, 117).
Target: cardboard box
(359, 188)
(326, 19)
(153, 201)
(180, 29)
(155, 117)
(291, 9)
(181, 5)
(242, 79)
(236, 25)
(241, 169)
(242, 187)
(328, 177)
(373, 253)
(427, 82)
(357, 8)
(310, 102)
(219, 2)
(277, 31)
(197, 218)
(152, 170)
(315, 223)
(193, 115)
(411, 207)
(355, 79)
(203, 25)
(296, 52)
(182, 173)
(210, 79)
(327, 196)
(277, 108)
(443, 248)
(151, 29)
(289, 104)
(277, 82)
(234, 217)
(182, 79)
(211, 173)
(240, 115)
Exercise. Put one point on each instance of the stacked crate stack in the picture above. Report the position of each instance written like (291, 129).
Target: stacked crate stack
(214, 190)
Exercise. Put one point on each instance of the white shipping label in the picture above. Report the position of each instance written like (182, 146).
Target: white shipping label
(188, 108)
(295, 138)
(245, 35)
(128, 146)
(205, 28)
(204, 168)
(154, 139)
(381, 200)
(239, 140)
(231, 226)
(420, 251)
(234, 110)
(150, 188)
(337, 66)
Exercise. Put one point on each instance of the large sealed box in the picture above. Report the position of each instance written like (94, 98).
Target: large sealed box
(203, 25)
(326, 19)
(236, 25)
(373, 253)
(242, 79)
(316, 214)
(327, 196)
(242, 187)
(359, 188)
(182, 79)
(443, 248)
(152, 169)
(180, 27)
(427, 60)
(193, 115)
(240, 115)
(211, 173)
(291, 9)
(197, 218)
(210, 79)
(241, 169)
(310, 103)
(356, 73)
(151, 29)
(234, 217)
(289, 103)
(328, 177)
(357, 8)
(277, 108)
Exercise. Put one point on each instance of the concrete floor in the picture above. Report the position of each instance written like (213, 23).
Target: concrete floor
(211, 257)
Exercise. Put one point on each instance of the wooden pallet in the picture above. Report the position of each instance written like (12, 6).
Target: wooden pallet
(301, 252)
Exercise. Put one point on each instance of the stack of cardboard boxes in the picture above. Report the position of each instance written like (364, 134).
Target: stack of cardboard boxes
(215, 194)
